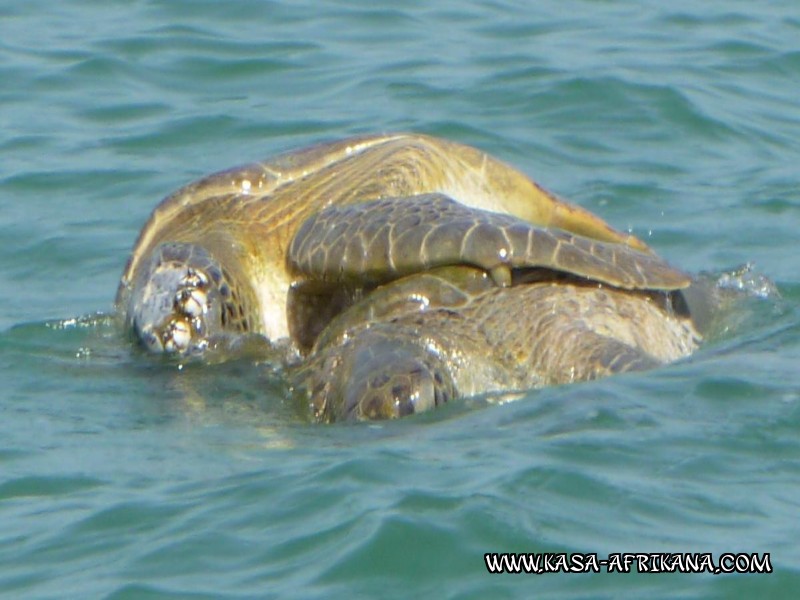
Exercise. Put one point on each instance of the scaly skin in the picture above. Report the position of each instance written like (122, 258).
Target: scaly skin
(375, 242)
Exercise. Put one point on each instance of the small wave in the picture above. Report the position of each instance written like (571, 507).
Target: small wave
(747, 280)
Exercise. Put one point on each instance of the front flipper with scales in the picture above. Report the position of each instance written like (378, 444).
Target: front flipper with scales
(375, 242)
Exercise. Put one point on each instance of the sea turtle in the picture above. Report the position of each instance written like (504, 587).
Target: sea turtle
(211, 262)
(337, 247)
(451, 332)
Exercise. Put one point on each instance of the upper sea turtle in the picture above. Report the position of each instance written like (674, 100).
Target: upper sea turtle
(211, 261)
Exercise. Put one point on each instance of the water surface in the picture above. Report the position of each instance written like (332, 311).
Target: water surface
(678, 121)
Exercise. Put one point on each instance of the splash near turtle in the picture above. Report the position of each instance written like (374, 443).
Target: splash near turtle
(398, 272)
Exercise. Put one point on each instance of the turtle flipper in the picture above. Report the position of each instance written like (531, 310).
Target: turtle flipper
(381, 374)
(379, 241)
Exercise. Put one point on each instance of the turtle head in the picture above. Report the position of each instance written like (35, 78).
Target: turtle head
(379, 373)
(180, 300)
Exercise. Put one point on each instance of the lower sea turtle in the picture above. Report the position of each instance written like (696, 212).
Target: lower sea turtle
(337, 247)
(431, 337)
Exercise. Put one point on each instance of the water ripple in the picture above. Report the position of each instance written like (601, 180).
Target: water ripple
(125, 477)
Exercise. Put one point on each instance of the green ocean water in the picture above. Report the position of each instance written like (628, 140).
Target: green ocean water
(119, 479)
